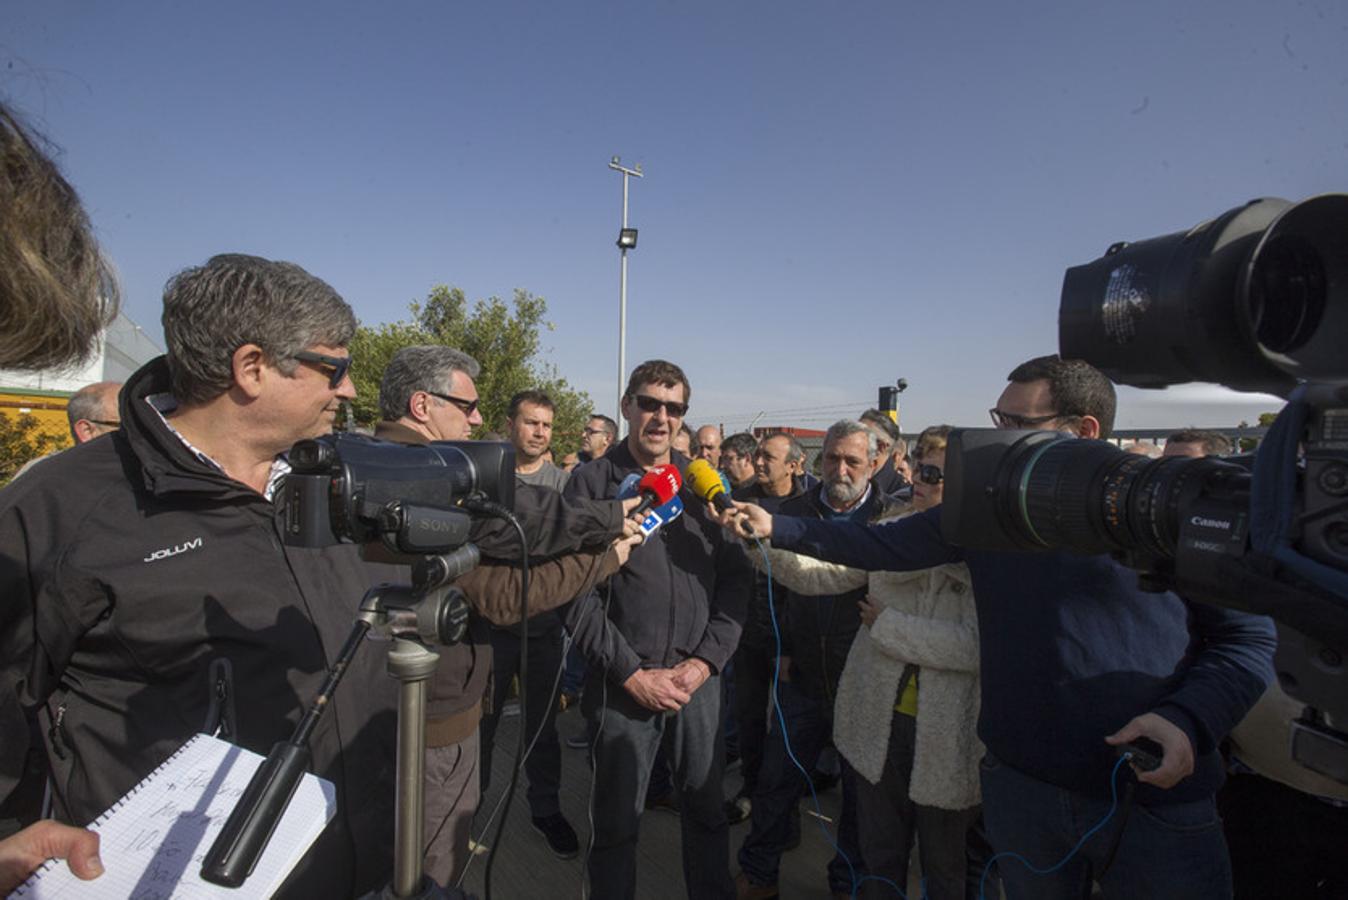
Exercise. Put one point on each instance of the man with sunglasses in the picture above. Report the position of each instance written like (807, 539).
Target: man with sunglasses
(428, 393)
(655, 651)
(1077, 659)
(150, 594)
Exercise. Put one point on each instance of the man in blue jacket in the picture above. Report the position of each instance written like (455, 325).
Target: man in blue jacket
(655, 654)
(1076, 658)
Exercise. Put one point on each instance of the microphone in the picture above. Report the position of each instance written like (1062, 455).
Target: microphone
(658, 486)
(661, 516)
(707, 484)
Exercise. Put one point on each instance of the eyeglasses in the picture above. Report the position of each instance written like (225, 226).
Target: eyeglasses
(593, 431)
(1011, 420)
(647, 403)
(339, 365)
(104, 422)
(467, 407)
(929, 474)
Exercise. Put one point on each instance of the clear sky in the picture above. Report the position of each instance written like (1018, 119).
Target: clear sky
(837, 194)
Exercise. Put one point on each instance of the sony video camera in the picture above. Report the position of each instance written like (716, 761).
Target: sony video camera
(414, 500)
(1257, 300)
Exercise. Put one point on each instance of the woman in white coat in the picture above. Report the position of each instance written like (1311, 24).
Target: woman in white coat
(907, 704)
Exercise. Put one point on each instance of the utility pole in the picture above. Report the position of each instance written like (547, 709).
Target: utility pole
(627, 240)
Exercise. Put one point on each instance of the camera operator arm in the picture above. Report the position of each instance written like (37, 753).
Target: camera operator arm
(913, 542)
(1228, 669)
(493, 588)
(553, 525)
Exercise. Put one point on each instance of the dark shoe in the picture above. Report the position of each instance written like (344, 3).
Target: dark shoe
(667, 802)
(559, 834)
(738, 808)
(747, 890)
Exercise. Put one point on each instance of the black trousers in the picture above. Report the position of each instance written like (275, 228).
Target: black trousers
(543, 769)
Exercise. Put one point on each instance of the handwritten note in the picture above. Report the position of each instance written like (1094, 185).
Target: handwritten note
(153, 840)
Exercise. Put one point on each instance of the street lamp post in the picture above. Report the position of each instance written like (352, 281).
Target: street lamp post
(627, 240)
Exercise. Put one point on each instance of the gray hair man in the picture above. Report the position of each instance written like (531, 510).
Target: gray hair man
(429, 389)
(92, 410)
(135, 546)
(428, 394)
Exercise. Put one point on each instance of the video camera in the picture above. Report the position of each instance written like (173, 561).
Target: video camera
(414, 500)
(1257, 300)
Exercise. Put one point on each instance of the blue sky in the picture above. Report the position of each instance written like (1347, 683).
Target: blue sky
(836, 194)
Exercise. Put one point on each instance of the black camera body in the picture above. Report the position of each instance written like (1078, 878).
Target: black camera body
(413, 500)
(1257, 300)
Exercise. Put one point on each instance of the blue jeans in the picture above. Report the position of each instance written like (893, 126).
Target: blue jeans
(1176, 850)
(781, 785)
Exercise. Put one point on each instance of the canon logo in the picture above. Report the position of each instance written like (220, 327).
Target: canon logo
(1223, 524)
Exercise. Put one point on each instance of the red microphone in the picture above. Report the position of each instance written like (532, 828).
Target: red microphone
(658, 486)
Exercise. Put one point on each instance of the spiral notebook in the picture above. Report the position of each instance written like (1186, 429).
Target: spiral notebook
(153, 840)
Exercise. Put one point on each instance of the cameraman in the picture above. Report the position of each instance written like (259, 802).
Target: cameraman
(1075, 658)
(428, 394)
(148, 592)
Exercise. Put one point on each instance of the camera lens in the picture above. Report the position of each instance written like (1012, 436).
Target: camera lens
(1091, 497)
(1288, 292)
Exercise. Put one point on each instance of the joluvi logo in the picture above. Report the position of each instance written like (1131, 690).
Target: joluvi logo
(194, 544)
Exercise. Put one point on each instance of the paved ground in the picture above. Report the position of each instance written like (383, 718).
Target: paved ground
(525, 868)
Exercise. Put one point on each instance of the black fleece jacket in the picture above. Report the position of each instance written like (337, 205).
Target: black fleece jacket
(681, 594)
(139, 587)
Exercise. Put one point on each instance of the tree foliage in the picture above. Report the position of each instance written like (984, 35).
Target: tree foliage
(22, 439)
(504, 339)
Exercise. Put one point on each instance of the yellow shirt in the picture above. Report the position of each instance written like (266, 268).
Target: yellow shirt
(908, 701)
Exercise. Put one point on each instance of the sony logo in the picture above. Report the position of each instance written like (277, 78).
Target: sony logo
(194, 544)
(1223, 524)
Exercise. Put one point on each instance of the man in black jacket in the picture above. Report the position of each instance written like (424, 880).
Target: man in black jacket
(149, 594)
(775, 460)
(672, 621)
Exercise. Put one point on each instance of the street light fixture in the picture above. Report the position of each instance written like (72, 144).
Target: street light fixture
(627, 240)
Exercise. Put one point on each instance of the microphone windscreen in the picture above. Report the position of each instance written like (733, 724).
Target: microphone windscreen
(704, 480)
(662, 481)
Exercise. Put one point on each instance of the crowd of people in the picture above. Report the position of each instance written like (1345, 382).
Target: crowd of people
(974, 699)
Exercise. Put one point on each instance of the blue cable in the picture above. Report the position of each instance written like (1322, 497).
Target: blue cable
(786, 738)
(856, 883)
(1113, 806)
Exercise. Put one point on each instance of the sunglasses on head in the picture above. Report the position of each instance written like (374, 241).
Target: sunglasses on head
(647, 403)
(339, 365)
(929, 474)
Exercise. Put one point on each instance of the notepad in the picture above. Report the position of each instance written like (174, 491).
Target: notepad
(153, 840)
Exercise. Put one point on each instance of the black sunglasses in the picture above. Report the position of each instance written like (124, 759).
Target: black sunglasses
(467, 407)
(929, 474)
(339, 365)
(647, 403)
(1011, 420)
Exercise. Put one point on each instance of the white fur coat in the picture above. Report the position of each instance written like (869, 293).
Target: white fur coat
(929, 621)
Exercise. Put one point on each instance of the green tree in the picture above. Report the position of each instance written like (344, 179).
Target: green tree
(503, 338)
(22, 439)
